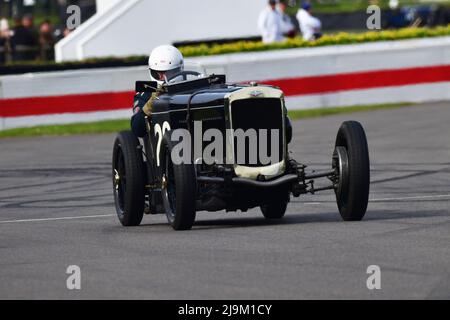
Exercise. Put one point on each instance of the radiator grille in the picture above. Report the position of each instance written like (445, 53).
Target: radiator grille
(258, 113)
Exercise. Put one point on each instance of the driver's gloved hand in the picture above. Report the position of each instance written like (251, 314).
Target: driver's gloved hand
(148, 107)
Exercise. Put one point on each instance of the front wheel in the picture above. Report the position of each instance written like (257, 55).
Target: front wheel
(351, 161)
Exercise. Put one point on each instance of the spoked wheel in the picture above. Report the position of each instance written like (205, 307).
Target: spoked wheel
(351, 161)
(128, 180)
(179, 190)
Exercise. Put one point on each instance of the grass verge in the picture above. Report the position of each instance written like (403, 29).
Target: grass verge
(119, 125)
(69, 129)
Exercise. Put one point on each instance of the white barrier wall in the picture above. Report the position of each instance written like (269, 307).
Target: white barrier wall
(385, 72)
(329, 60)
(103, 5)
(134, 27)
(68, 97)
(50, 84)
(322, 63)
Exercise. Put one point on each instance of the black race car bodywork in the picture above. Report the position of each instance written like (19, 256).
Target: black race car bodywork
(146, 179)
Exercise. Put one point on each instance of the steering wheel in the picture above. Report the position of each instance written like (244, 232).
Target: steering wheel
(184, 75)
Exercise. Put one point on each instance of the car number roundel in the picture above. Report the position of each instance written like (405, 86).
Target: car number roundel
(159, 133)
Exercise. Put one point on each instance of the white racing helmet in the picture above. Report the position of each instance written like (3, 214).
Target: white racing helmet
(165, 62)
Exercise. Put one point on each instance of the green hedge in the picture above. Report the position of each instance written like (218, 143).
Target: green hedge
(331, 39)
(21, 67)
(69, 64)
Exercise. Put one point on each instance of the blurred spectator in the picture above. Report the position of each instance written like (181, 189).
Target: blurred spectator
(395, 17)
(46, 41)
(66, 32)
(24, 40)
(310, 26)
(444, 13)
(4, 26)
(287, 25)
(4, 38)
(270, 24)
(394, 4)
(61, 33)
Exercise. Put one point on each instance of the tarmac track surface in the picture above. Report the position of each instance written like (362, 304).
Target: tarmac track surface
(56, 210)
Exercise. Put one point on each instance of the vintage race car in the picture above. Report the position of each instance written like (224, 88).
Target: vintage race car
(148, 176)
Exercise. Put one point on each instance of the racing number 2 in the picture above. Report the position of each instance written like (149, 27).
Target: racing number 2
(160, 132)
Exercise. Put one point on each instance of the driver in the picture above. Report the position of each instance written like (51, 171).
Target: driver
(164, 63)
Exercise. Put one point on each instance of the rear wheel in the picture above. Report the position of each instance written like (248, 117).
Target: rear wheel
(179, 190)
(276, 207)
(128, 179)
(351, 160)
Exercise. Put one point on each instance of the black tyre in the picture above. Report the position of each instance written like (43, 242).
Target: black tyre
(351, 158)
(128, 179)
(179, 189)
(276, 208)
